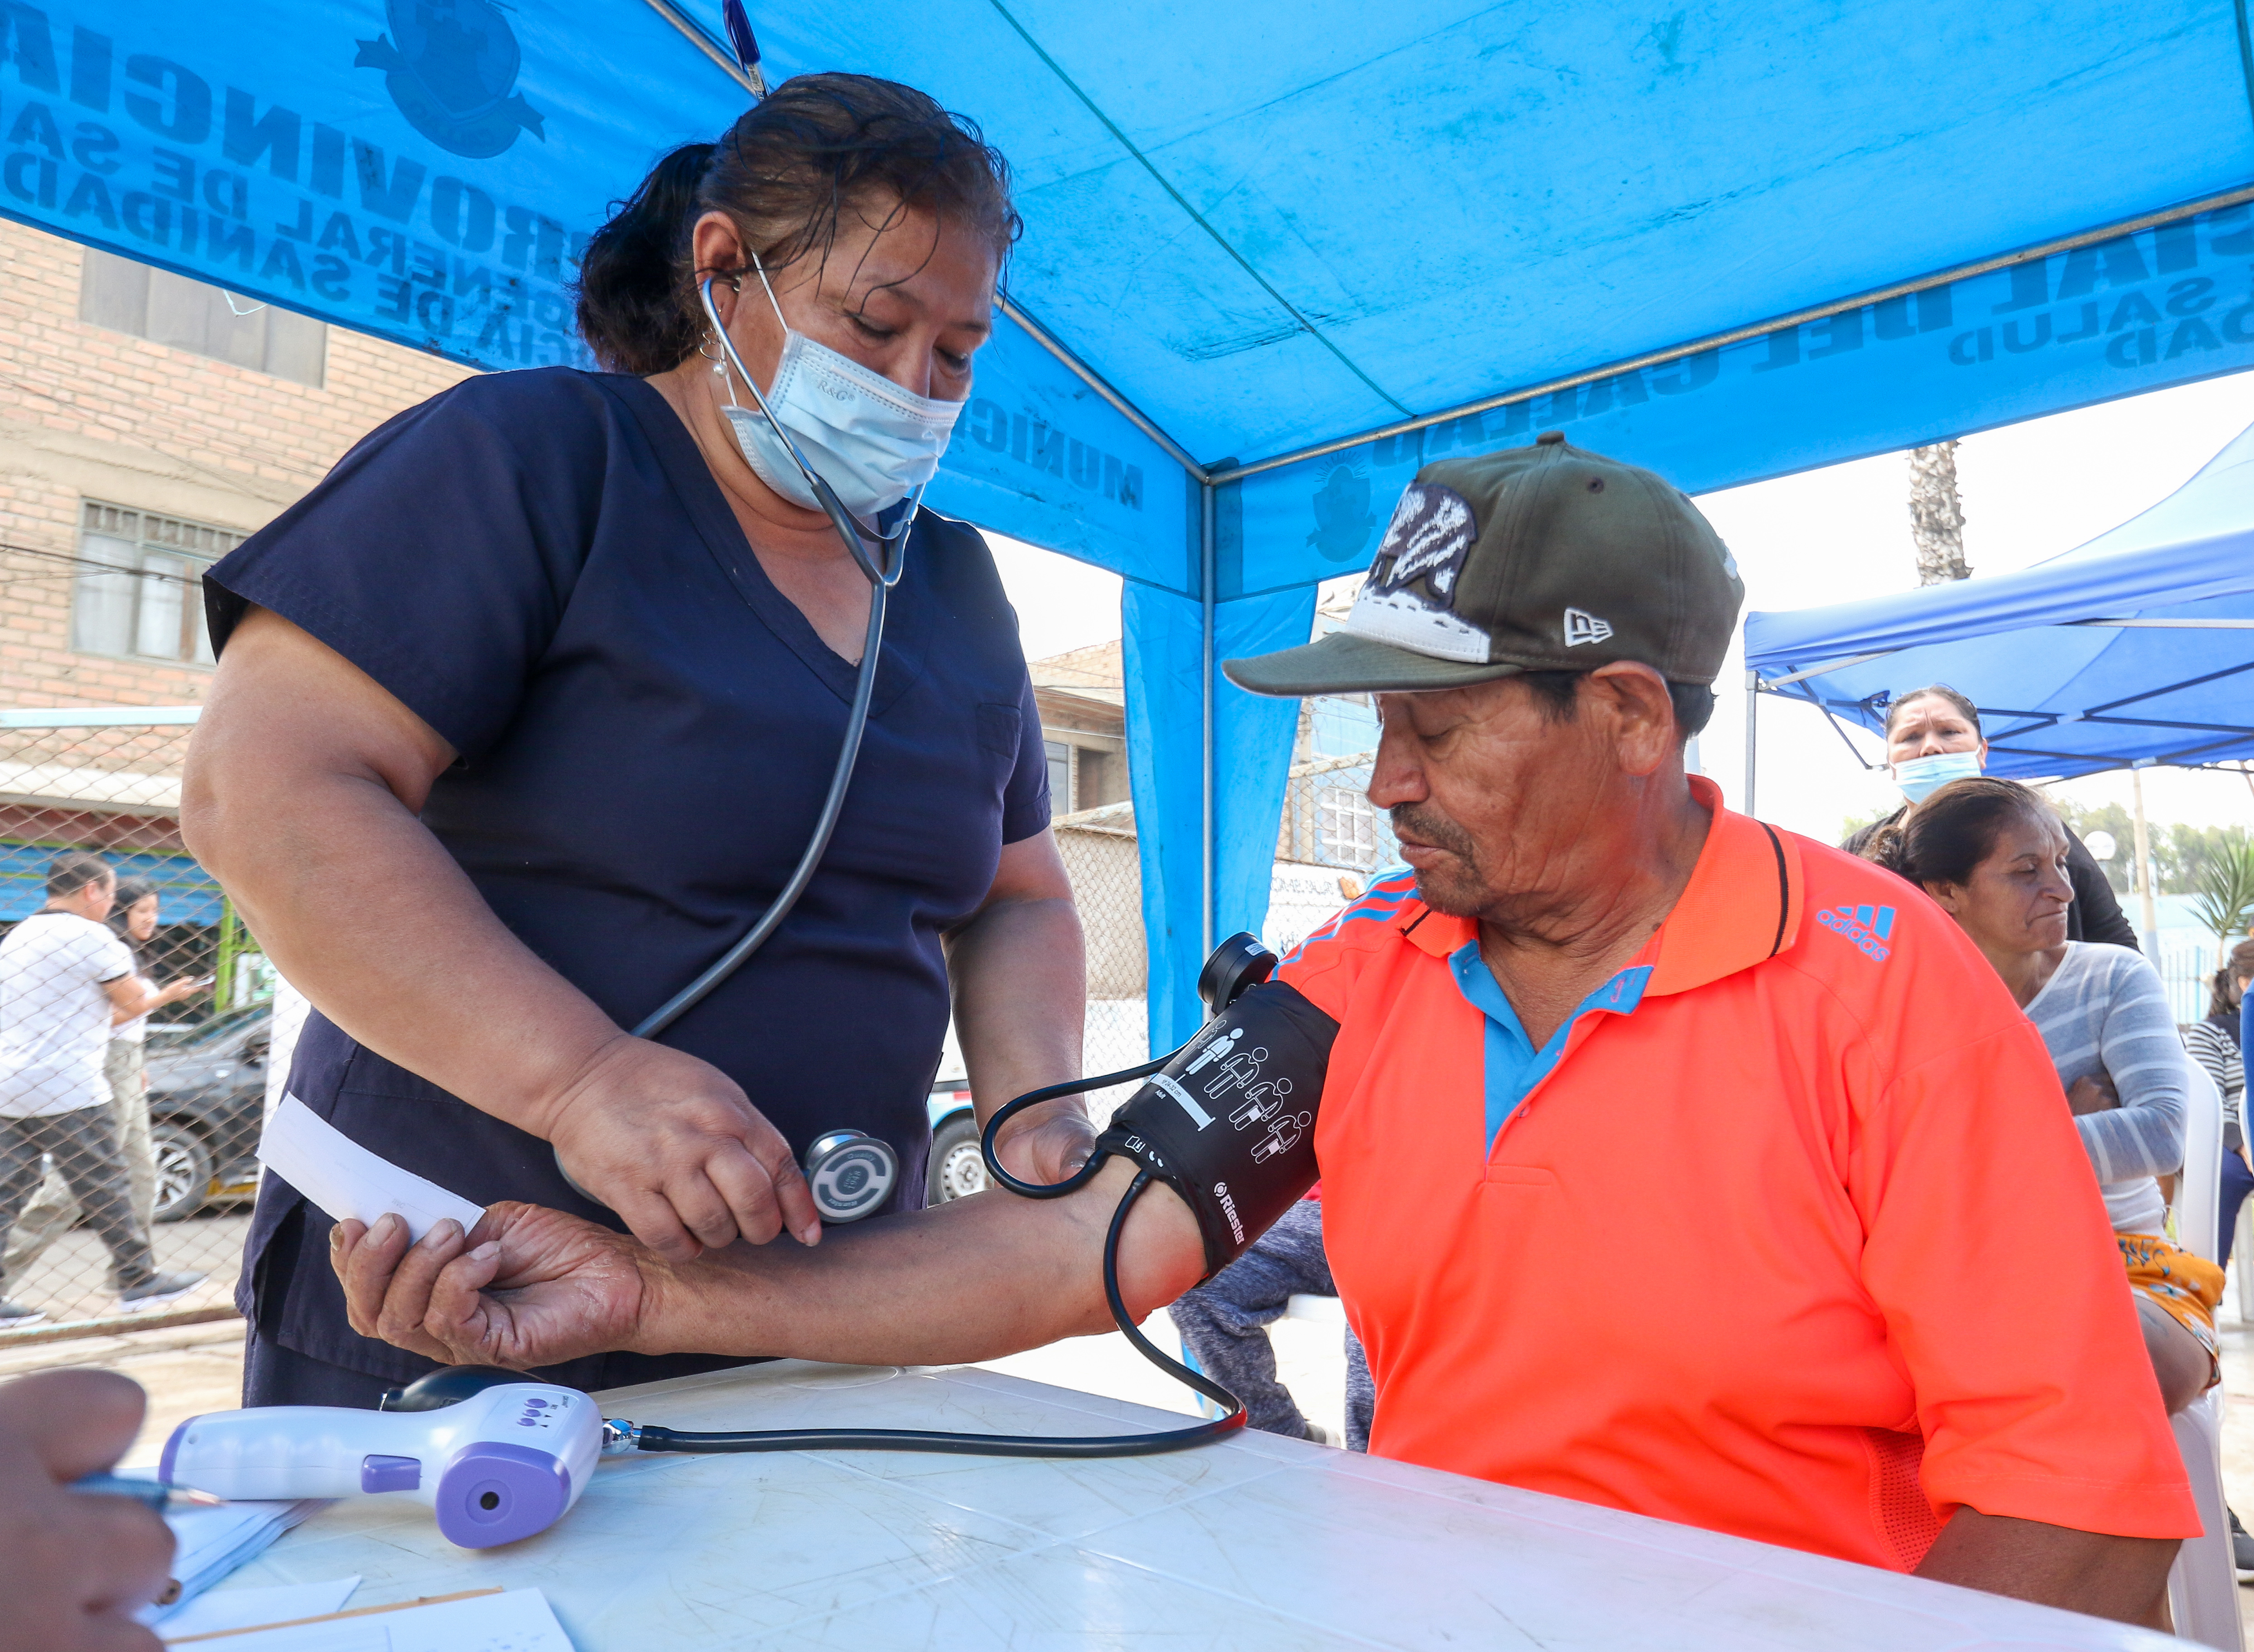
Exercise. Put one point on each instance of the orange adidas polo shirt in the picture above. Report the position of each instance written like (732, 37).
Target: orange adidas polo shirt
(1787, 1234)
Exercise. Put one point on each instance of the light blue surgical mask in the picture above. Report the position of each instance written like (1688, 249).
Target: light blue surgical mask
(874, 442)
(1920, 778)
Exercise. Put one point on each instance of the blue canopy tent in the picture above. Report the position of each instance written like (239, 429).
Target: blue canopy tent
(1275, 258)
(2135, 649)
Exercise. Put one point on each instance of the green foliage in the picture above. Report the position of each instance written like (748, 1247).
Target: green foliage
(1855, 823)
(2183, 856)
(2113, 819)
(2224, 900)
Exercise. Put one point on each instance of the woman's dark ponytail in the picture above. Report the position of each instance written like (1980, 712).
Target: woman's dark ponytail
(817, 146)
(630, 311)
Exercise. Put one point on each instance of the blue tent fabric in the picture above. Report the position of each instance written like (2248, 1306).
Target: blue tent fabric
(2061, 691)
(1288, 224)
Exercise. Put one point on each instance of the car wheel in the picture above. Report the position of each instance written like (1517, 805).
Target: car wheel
(183, 1170)
(957, 1168)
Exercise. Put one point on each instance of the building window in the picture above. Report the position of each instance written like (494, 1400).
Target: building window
(1059, 757)
(140, 591)
(1094, 777)
(170, 309)
(1346, 828)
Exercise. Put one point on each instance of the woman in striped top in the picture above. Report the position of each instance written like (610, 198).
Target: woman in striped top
(1994, 854)
(2214, 1042)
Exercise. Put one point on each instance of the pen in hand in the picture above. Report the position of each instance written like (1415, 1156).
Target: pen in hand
(152, 1493)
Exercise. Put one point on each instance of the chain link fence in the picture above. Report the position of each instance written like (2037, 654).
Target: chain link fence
(1101, 856)
(1329, 840)
(134, 1029)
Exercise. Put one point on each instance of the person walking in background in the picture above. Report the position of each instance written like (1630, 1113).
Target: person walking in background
(1224, 1325)
(55, 1210)
(64, 975)
(1933, 736)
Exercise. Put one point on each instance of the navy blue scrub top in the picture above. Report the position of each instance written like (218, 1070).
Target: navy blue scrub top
(540, 565)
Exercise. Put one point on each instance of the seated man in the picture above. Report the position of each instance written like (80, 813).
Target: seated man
(1672, 1163)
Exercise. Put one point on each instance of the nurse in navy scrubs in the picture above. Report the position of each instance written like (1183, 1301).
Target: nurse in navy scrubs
(524, 714)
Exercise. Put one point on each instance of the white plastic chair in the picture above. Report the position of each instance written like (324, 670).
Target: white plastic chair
(2203, 1585)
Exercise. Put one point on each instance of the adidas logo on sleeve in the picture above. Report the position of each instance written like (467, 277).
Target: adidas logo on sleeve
(1868, 927)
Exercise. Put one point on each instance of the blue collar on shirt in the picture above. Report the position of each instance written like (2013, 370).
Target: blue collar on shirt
(1514, 1066)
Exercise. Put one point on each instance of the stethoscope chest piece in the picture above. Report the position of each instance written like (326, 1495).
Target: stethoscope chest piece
(851, 1174)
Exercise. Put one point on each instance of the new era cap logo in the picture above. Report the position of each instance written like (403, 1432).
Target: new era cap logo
(1584, 628)
(1868, 927)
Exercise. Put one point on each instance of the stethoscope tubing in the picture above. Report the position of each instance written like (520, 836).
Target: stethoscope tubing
(882, 573)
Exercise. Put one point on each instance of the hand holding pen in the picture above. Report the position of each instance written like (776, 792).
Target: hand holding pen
(79, 1565)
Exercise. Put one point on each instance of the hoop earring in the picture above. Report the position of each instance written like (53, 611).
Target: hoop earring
(710, 350)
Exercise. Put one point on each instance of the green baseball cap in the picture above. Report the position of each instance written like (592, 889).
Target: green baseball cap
(1542, 558)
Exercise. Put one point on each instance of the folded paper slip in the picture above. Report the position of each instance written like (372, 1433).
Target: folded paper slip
(347, 1181)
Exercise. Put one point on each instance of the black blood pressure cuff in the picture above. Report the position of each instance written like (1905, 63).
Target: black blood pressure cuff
(1230, 1123)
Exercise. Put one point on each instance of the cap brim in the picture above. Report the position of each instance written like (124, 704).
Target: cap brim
(1344, 663)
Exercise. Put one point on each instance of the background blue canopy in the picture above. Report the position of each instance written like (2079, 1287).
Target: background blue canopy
(1276, 257)
(2134, 649)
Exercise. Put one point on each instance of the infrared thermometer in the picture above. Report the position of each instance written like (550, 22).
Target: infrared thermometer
(501, 1464)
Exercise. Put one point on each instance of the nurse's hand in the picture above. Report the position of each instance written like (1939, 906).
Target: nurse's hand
(675, 1148)
(528, 1286)
(1046, 1143)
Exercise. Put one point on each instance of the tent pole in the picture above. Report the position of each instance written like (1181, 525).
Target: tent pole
(1205, 707)
(2151, 938)
(1752, 726)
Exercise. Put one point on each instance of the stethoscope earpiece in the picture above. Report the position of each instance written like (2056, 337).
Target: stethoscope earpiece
(851, 1174)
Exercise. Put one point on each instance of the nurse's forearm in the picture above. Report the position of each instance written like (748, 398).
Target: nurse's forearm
(299, 797)
(1018, 973)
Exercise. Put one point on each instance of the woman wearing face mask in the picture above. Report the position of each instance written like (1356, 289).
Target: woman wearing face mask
(526, 713)
(1993, 854)
(1933, 736)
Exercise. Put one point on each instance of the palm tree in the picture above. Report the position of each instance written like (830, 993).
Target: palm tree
(1937, 514)
(2225, 900)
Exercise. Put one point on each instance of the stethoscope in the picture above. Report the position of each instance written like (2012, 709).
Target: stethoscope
(852, 1172)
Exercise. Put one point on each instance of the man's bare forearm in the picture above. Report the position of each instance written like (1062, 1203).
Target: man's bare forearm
(974, 1279)
(2124, 1579)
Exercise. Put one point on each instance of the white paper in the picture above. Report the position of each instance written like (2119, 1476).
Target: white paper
(347, 1181)
(209, 1543)
(517, 1621)
(249, 1608)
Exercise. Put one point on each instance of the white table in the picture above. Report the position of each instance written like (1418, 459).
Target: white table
(1253, 1545)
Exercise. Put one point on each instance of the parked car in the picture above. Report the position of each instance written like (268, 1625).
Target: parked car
(957, 1169)
(206, 1098)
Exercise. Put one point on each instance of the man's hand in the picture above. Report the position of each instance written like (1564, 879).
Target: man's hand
(79, 1565)
(2088, 1095)
(1046, 1143)
(675, 1147)
(527, 1286)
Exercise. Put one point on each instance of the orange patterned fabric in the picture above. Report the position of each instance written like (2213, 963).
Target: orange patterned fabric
(2187, 1288)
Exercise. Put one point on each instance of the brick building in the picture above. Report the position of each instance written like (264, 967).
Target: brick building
(148, 423)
